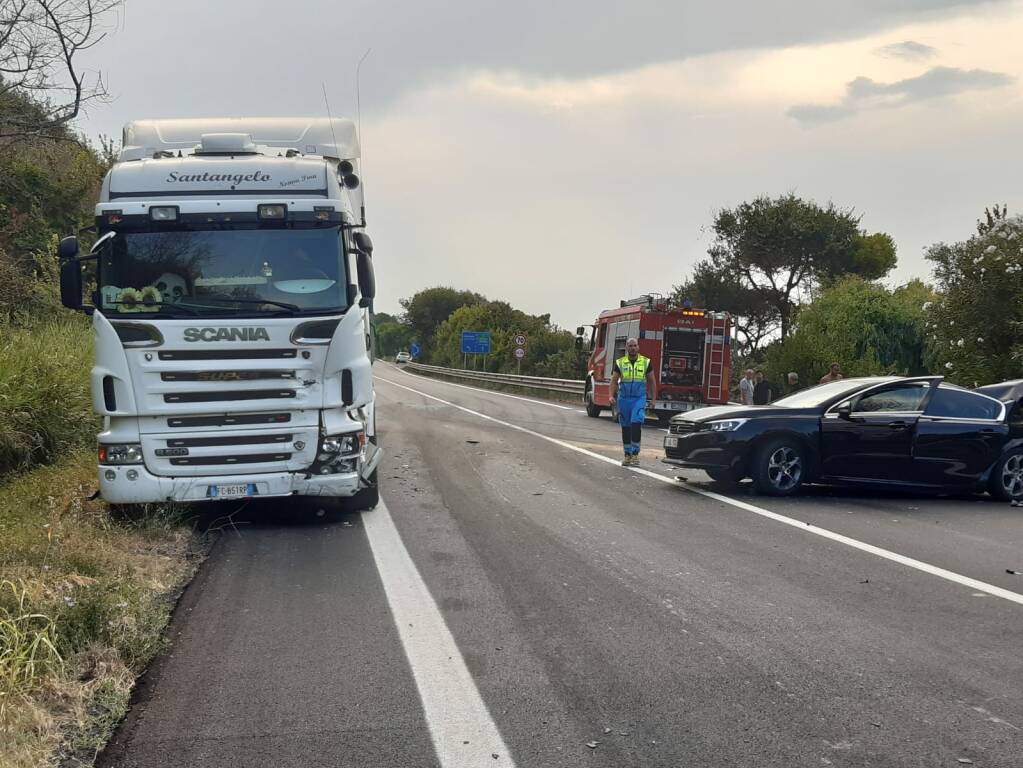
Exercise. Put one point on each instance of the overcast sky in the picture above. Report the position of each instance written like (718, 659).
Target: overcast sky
(563, 155)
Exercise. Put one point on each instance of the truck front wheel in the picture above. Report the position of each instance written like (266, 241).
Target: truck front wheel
(592, 410)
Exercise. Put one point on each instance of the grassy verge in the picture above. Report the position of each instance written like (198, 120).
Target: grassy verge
(45, 406)
(83, 603)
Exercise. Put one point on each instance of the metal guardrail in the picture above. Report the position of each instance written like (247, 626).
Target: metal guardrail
(569, 386)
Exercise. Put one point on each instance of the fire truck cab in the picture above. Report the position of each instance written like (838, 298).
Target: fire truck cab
(689, 351)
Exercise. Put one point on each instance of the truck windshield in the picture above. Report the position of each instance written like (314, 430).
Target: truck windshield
(237, 271)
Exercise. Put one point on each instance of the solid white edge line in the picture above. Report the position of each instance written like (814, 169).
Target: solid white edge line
(462, 731)
(966, 581)
(487, 391)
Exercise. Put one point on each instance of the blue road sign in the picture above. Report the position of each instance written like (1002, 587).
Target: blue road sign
(414, 350)
(475, 342)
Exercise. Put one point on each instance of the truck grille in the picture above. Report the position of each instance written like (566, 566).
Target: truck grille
(226, 375)
(251, 458)
(206, 442)
(228, 354)
(217, 396)
(231, 451)
(228, 420)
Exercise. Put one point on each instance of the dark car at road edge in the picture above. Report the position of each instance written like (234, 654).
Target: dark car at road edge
(913, 433)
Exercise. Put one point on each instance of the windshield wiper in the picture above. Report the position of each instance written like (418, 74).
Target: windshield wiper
(156, 307)
(281, 304)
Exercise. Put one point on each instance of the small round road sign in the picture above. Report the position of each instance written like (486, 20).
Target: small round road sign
(520, 340)
(520, 352)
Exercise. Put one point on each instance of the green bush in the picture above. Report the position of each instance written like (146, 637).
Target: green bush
(45, 406)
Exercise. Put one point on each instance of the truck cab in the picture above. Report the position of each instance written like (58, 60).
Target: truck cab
(230, 286)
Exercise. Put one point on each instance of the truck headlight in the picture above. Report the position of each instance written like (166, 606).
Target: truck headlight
(338, 452)
(729, 425)
(129, 453)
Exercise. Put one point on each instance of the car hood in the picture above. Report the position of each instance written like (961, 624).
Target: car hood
(717, 412)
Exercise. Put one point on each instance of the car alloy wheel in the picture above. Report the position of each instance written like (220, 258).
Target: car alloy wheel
(784, 468)
(1012, 476)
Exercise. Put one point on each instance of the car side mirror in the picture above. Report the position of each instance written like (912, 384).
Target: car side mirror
(845, 411)
(367, 279)
(71, 282)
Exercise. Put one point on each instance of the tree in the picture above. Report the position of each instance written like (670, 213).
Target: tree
(39, 40)
(975, 325)
(786, 248)
(46, 189)
(427, 309)
(755, 320)
(545, 341)
(865, 327)
(392, 338)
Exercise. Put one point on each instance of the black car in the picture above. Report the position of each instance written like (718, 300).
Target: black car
(917, 433)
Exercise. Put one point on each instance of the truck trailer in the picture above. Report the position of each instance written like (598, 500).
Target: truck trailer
(689, 350)
(231, 287)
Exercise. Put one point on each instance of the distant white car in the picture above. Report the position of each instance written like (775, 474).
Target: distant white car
(403, 357)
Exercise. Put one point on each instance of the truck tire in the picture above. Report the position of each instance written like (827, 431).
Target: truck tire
(592, 410)
(779, 467)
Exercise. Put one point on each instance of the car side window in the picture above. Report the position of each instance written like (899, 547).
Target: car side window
(955, 403)
(898, 399)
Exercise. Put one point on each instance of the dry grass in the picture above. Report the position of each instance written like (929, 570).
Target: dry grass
(83, 603)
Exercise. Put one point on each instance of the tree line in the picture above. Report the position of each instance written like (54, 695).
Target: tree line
(805, 285)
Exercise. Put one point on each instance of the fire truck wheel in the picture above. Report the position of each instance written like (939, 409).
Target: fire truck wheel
(779, 466)
(592, 410)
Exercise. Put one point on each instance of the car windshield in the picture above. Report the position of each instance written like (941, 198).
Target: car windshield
(820, 394)
(223, 271)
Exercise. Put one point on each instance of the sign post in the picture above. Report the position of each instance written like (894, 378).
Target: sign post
(520, 351)
(475, 343)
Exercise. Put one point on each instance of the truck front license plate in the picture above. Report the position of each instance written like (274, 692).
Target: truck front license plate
(671, 442)
(238, 491)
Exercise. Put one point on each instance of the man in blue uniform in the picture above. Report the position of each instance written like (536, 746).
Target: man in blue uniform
(631, 384)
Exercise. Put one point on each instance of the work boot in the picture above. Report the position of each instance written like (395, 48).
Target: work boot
(635, 459)
(627, 461)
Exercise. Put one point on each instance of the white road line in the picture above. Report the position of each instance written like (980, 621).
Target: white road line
(966, 581)
(492, 392)
(461, 728)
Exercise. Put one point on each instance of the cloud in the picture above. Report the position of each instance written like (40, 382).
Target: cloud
(866, 93)
(909, 50)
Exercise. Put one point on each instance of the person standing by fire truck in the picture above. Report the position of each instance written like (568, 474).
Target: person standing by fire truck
(632, 383)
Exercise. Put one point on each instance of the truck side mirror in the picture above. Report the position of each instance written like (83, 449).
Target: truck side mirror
(71, 282)
(68, 248)
(367, 279)
(363, 242)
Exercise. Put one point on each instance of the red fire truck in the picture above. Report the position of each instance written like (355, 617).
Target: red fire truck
(689, 350)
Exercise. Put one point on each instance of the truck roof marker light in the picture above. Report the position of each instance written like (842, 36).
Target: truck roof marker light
(272, 212)
(163, 213)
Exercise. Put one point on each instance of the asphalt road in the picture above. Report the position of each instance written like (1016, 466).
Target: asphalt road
(519, 600)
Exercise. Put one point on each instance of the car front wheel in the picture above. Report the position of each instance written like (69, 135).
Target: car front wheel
(779, 467)
(1007, 478)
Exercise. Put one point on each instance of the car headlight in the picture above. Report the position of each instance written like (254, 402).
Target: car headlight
(120, 454)
(728, 425)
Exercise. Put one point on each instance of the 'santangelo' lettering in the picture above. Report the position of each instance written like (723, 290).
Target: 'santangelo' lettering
(226, 334)
(236, 178)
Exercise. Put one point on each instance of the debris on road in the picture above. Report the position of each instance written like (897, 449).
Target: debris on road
(964, 761)
(473, 442)
(1013, 573)
(592, 744)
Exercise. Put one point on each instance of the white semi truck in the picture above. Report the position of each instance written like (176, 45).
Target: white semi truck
(231, 286)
